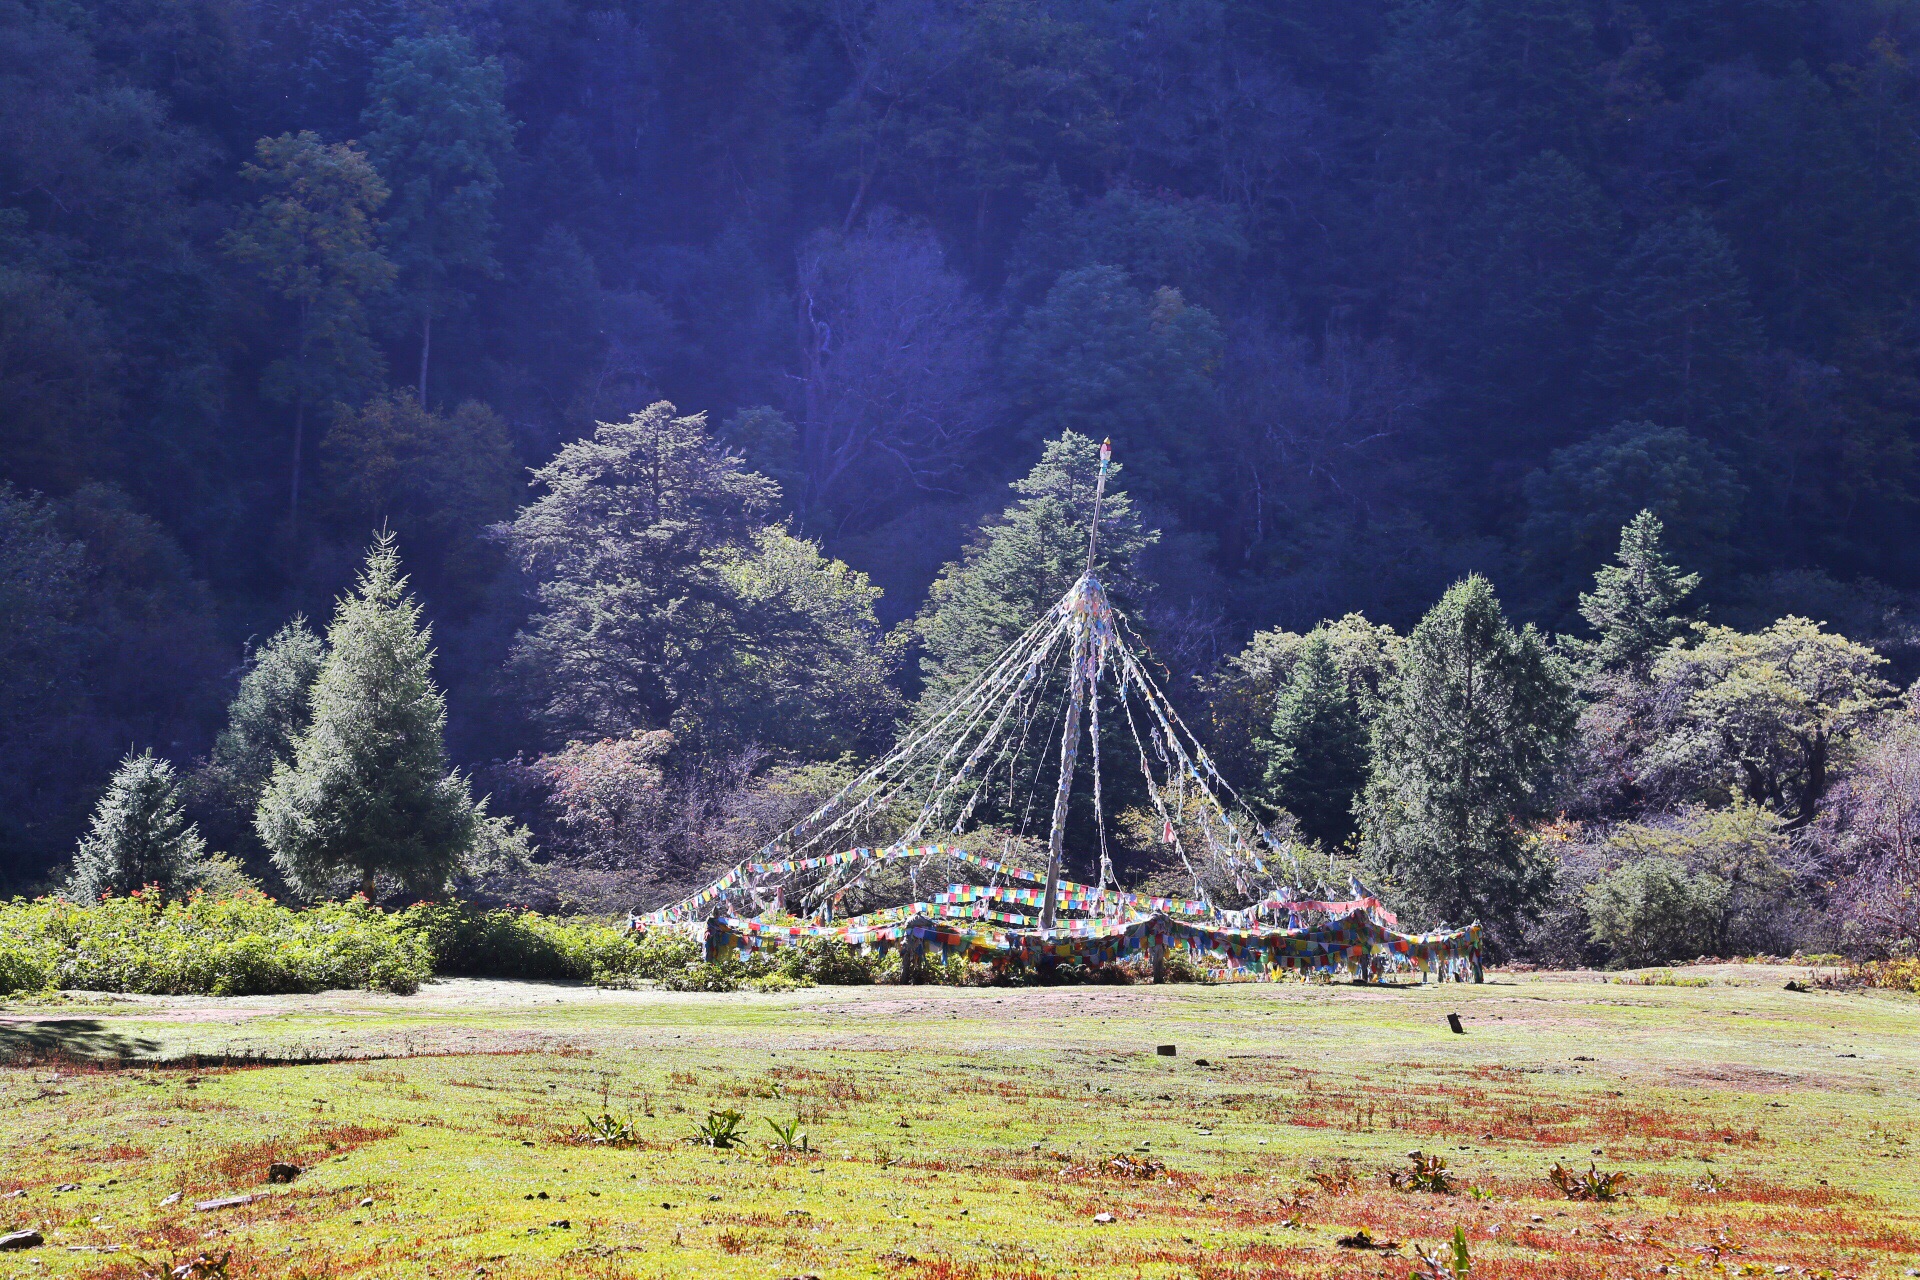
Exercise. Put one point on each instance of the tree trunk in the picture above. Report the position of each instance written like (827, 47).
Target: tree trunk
(299, 434)
(1816, 784)
(1069, 752)
(366, 884)
(426, 345)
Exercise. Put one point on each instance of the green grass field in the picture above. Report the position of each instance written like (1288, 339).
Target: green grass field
(967, 1132)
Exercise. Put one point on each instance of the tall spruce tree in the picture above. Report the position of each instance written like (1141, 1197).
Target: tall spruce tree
(1020, 564)
(627, 546)
(269, 712)
(369, 793)
(140, 835)
(1317, 753)
(1636, 605)
(1463, 752)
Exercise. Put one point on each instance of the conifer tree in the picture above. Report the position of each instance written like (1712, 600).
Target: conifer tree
(1463, 752)
(627, 546)
(1019, 565)
(269, 711)
(140, 835)
(368, 793)
(1635, 605)
(1317, 753)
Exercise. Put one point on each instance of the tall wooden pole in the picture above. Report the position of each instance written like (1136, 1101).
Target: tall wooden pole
(1069, 752)
(1078, 680)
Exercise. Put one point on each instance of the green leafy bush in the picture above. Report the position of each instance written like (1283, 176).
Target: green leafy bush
(829, 962)
(721, 975)
(240, 944)
(21, 969)
(1651, 911)
(472, 942)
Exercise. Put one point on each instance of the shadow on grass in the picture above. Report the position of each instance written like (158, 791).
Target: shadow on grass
(69, 1039)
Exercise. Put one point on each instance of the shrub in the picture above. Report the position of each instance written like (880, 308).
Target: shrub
(1652, 911)
(1888, 975)
(472, 942)
(21, 969)
(240, 944)
(828, 961)
(702, 976)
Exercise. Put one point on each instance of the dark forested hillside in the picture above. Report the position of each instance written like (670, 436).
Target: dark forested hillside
(1368, 296)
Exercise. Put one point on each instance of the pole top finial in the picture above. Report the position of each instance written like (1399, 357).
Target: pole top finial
(1099, 492)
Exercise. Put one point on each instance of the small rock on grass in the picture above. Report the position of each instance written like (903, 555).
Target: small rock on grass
(1103, 1217)
(22, 1240)
(224, 1202)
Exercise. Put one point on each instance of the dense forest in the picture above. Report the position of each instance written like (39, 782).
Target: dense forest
(681, 357)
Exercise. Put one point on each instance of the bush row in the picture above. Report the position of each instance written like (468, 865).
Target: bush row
(241, 944)
(244, 943)
(247, 944)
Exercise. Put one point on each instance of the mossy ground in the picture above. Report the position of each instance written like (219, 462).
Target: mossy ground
(969, 1133)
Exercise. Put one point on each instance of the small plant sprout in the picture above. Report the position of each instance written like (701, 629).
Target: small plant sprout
(609, 1130)
(721, 1129)
(1455, 1264)
(789, 1136)
(1429, 1173)
(1337, 1181)
(1591, 1185)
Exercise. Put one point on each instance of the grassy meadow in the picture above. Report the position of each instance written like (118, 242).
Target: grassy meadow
(955, 1132)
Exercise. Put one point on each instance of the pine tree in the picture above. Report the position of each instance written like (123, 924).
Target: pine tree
(1635, 605)
(636, 620)
(269, 712)
(1317, 753)
(1462, 754)
(369, 793)
(1019, 565)
(140, 835)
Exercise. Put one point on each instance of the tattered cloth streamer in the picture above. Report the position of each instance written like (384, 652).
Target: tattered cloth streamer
(1355, 944)
(1074, 896)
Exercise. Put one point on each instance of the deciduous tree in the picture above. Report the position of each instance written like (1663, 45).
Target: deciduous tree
(311, 238)
(437, 480)
(437, 129)
(1769, 714)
